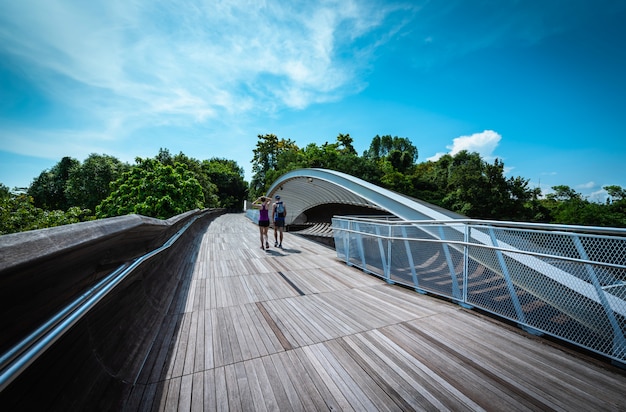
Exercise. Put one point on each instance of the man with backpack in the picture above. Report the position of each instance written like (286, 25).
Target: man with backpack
(279, 211)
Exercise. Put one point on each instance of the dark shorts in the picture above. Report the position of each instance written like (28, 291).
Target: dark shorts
(264, 223)
(279, 223)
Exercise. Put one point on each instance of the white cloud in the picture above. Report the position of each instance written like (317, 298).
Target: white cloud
(599, 196)
(483, 143)
(588, 185)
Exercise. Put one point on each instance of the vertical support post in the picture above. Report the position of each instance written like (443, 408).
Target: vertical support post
(383, 260)
(466, 237)
(456, 292)
(409, 255)
(346, 239)
(359, 244)
(619, 343)
(509, 283)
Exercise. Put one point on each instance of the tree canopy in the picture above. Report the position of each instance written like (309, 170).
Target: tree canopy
(464, 183)
(154, 189)
(103, 186)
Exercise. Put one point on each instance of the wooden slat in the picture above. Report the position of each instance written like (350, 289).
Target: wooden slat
(330, 337)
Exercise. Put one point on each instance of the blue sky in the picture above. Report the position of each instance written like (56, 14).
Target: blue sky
(539, 84)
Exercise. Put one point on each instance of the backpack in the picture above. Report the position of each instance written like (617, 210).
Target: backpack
(280, 209)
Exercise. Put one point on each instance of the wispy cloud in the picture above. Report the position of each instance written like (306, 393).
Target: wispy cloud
(203, 58)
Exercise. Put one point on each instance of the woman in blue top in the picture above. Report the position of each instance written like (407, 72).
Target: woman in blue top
(263, 204)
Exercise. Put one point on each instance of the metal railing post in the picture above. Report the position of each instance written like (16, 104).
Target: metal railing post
(619, 344)
(409, 255)
(521, 318)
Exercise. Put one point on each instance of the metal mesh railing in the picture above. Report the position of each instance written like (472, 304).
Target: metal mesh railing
(564, 281)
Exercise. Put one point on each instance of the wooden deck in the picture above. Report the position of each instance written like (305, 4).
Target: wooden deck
(296, 329)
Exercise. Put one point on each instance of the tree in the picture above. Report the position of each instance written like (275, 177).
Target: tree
(48, 189)
(88, 184)
(4, 191)
(209, 188)
(466, 184)
(345, 141)
(152, 189)
(228, 177)
(265, 159)
(400, 149)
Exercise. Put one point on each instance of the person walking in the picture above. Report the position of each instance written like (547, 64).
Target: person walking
(263, 204)
(279, 211)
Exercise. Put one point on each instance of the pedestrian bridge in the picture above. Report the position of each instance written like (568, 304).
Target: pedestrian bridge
(132, 313)
(565, 281)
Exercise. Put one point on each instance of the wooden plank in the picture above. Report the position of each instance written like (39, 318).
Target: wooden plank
(192, 346)
(273, 378)
(200, 352)
(409, 390)
(197, 392)
(283, 372)
(257, 400)
(278, 332)
(173, 392)
(210, 390)
(180, 351)
(300, 329)
(310, 394)
(268, 337)
(342, 317)
(539, 376)
(242, 337)
(331, 395)
(345, 398)
(243, 386)
(364, 378)
(267, 400)
(250, 333)
(209, 340)
(472, 382)
(221, 390)
(440, 391)
(158, 369)
(217, 339)
(185, 393)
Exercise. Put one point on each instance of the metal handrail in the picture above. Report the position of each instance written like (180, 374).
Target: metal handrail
(499, 248)
(18, 358)
(550, 227)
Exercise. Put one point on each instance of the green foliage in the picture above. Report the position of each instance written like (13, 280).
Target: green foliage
(463, 183)
(159, 187)
(153, 189)
(209, 189)
(398, 151)
(48, 189)
(222, 180)
(567, 206)
(18, 213)
(88, 183)
(168, 185)
(4, 191)
(265, 160)
(274, 157)
(228, 177)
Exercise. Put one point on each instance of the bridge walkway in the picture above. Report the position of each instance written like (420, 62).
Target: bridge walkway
(296, 329)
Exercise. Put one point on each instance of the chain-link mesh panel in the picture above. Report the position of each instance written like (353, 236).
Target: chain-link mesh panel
(569, 285)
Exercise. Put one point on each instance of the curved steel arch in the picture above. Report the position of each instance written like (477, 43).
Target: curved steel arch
(303, 189)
